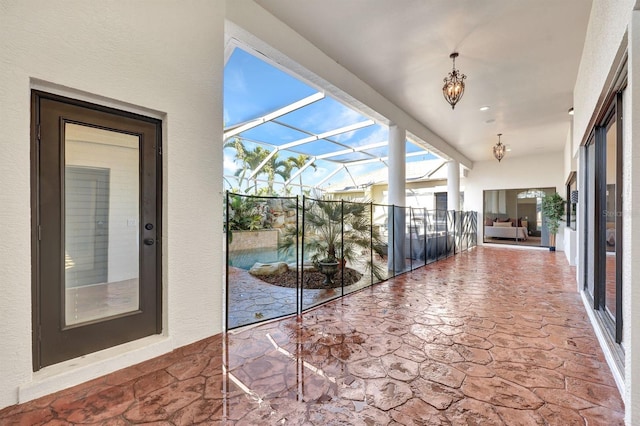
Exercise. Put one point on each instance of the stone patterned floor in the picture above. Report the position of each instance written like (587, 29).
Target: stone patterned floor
(253, 300)
(494, 336)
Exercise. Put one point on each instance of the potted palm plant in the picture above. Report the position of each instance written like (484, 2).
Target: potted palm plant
(553, 211)
(335, 233)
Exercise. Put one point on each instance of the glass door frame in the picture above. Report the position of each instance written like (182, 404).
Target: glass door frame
(612, 117)
(53, 339)
(534, 219)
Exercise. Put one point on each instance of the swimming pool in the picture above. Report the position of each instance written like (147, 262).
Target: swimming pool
(245, 259)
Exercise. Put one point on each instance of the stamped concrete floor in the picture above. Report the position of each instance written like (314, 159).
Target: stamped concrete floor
(493, 336)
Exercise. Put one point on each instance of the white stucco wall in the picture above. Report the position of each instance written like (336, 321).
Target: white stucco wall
(531, 171)
(612, 27)
(570, 235)
(631, 229)
(162, 58)
(606, 30)
(570, 161)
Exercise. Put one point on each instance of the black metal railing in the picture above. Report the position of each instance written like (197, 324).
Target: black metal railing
(303, 252)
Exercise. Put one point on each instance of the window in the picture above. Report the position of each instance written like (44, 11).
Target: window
(514, 216)
(572, 200)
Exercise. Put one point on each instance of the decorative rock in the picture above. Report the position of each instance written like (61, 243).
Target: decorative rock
(259, 269)
(290, 220)
(278, 222)
(308, 267)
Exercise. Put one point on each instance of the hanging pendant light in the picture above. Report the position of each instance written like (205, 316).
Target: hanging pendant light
(453, 88)
(499, 149)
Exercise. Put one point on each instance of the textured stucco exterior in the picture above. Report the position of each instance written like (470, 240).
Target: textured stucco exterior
(160, 58)
(603, 44)
(614, 29)
(631, 229)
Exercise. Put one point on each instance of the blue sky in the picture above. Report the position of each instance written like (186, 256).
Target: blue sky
(253, 88)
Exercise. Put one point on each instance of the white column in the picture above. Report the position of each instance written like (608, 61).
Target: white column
(453, 185)
(397, 197)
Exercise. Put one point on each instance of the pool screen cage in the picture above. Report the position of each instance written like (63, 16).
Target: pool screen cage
(286, 255)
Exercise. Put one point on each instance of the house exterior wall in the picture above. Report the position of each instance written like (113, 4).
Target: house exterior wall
(570, 235)
(614, 27)
(631, 229)
(603, 44)
(531, 171)
(160, 58)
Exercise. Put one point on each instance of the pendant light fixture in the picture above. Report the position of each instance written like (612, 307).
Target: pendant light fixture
(499, 149)
(453, 88)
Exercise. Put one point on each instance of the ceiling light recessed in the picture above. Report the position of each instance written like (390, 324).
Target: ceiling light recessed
(484, 108)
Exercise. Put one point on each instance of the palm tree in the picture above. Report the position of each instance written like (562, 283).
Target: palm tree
(337, 230)
(250, 160)
(240, 154)
(272, 168)
(298, 162)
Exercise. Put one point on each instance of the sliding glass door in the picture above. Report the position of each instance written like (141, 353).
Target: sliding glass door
(514, 216)
(603, 219)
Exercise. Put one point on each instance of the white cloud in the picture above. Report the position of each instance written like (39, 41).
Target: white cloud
(332, 116)
(225, 117)
(229, 165)
(380, 134)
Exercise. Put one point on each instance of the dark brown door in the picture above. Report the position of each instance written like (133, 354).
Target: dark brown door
(96, 227)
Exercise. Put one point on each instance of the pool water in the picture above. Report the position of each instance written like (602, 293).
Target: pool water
(245, 259)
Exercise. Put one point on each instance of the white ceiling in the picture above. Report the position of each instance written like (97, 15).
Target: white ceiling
(520, 56)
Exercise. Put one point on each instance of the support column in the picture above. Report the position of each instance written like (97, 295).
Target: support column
(397, 197)
(453, 185)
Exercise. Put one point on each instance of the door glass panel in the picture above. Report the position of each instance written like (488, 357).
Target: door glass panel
(610, 215)
(517, 210)
(590, 217)
(101, 223)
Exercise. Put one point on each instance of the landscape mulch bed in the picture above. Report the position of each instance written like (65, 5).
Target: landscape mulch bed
(313, 279)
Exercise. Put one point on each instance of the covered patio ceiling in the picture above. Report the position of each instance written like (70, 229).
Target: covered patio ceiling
(521, 59)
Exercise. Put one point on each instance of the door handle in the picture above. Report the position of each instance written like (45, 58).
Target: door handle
(149, 241)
